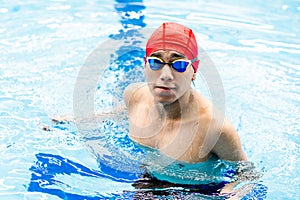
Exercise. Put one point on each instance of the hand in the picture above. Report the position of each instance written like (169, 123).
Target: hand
(62, 119)
(229, 191)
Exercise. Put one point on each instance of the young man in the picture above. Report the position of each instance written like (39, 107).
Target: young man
(167, 114)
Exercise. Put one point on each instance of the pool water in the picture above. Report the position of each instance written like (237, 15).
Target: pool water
(255, 46)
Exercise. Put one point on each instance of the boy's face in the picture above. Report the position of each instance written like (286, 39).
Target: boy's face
(167, 85)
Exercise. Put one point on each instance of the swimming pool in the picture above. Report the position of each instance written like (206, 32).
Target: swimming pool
(255, 47)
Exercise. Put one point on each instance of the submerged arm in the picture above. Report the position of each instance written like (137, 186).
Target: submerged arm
(229, 147)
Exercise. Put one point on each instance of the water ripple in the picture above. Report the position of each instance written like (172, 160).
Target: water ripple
(229, 21)
(271, 46)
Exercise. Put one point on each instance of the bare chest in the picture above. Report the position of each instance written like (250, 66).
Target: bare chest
(181, 140)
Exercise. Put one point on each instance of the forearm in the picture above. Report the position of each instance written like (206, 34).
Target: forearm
(114, 113)
(246, 179)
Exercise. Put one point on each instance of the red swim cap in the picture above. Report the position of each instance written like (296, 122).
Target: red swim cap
(175, 37)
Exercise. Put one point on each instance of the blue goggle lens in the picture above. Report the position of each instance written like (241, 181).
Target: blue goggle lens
(178, 65)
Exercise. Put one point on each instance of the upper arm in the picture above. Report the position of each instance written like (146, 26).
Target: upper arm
(130, 91)
(228, 146)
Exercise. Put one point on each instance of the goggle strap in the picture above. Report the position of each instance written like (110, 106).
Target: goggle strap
(194, 59)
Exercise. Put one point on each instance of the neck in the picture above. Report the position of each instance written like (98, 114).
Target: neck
(176, 109)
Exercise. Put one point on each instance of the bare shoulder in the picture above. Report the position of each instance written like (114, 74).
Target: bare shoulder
(225, 139)
(133, 92)
(210, 112)
(203, 105)
(228, 146)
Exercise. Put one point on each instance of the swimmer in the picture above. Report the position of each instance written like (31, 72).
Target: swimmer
(165, 113)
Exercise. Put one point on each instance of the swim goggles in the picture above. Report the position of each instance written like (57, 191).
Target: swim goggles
(179, 65)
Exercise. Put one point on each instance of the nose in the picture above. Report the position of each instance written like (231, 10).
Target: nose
(166, 73)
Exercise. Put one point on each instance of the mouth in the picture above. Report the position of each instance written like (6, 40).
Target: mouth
(164, 88)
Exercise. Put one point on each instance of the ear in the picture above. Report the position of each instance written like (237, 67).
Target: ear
(194, 76)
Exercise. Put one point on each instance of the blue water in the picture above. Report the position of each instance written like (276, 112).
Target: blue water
(44, 45)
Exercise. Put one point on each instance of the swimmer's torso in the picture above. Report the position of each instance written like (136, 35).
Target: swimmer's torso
(186, 138)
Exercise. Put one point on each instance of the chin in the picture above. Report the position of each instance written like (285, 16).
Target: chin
(165, 101)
